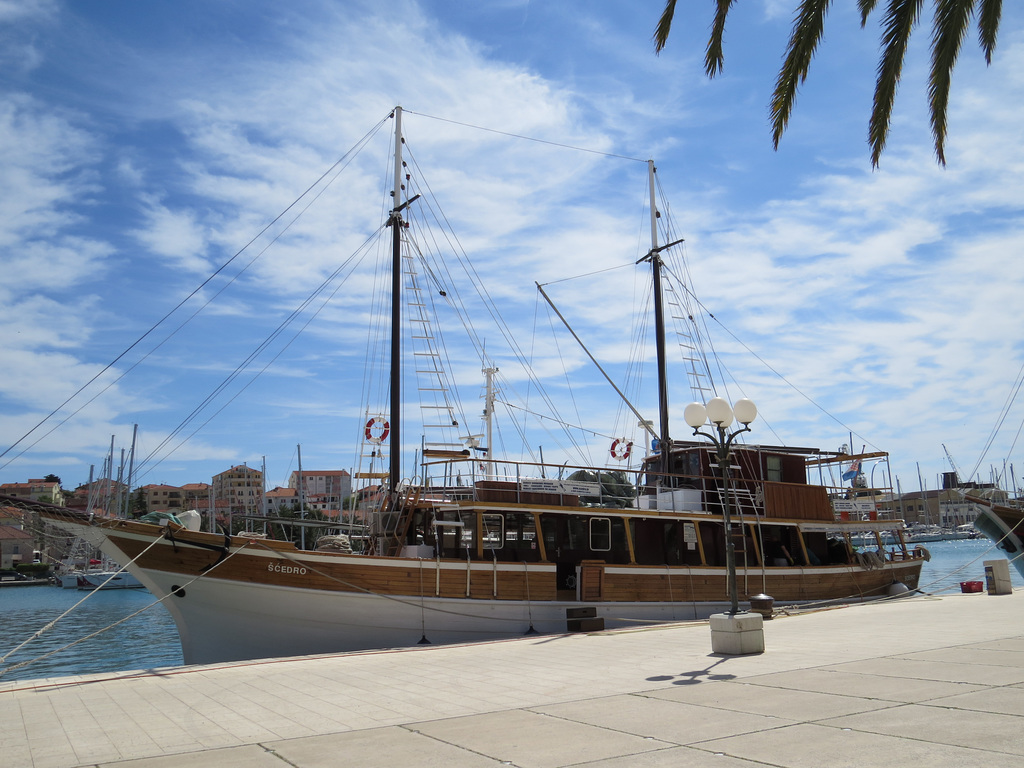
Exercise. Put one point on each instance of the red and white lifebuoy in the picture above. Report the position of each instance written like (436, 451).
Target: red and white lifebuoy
(621, 448)
(377, 430)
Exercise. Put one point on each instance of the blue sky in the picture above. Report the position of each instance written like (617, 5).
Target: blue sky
(142, 144)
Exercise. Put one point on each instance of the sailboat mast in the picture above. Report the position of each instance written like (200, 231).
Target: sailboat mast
(664, 443)
(489, 420)
(394, 472)
(131, 468)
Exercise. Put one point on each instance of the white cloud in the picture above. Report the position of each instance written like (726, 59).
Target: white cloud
(47, 167)
(17, 10)
(174, 234)
(883, 295)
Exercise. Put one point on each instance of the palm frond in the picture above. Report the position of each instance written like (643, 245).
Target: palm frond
(989, 12)
(898, 23)
(664, 26)
(807, 30)
(714, 56)
(865, 7)
(952, 18)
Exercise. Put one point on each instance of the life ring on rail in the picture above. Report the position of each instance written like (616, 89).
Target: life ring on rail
(377, 430)
(621, 448)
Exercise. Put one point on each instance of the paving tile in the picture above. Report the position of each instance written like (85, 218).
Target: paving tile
(788, 703)
(1003, 644)
(971, 654)
(979, 674)
(815, 746)
(376, 748)
(235, 757)
(1008, 700)
(674, 757)
(964, 728)
(532, 740)
(610, 700)
(666, 720)
(874, 687)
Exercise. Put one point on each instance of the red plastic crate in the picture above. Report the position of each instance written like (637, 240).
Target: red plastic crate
(971, 586)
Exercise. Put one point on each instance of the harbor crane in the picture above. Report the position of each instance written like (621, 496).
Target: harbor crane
(956, 469)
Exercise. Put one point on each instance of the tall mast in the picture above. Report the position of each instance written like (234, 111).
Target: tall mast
(395, 221)
(489, 420)
(131, 468)
(664, 442)
(302, 499)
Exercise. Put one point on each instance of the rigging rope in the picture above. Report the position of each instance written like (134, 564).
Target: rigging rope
(343, 162)
(53, 623)
(120, 621)
(525, 138)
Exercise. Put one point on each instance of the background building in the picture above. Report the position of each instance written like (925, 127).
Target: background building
(324, 490)
(161, 498)
(48, 491)
(242, 488)
(196, 495)
(16, 546)
(282, 499)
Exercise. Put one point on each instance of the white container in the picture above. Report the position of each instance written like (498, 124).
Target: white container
(997, 577)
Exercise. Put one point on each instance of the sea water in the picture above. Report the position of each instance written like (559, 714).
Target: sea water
(145, 641)
(953, 562)
(150, 640)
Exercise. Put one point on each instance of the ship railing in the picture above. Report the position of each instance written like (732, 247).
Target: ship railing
(462, 479)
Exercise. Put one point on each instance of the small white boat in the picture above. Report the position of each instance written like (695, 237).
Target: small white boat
(867, 539)
(105, 580)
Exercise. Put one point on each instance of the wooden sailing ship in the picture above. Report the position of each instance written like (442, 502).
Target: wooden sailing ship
(479, 548)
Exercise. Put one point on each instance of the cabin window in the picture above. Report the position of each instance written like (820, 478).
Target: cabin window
(572, 538)
(493, 531)
(620, 544)
(657, 541)
(687, 464)
(467, 531)
(712, 535)
(780, 545)
(453, 536)
(774, 467)
(577, 532)
(520, 538)
(822, 549)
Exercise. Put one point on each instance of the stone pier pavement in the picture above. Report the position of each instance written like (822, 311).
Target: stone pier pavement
(928, 681)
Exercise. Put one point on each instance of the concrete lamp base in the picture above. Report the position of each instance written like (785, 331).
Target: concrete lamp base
(737, 634)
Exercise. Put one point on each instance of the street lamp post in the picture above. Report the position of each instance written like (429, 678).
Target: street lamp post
(721, 415)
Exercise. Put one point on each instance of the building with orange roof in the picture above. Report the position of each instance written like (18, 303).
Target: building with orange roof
(323, 489)
(37, 490)
(242, 488)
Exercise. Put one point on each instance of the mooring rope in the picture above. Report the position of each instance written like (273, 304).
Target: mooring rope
(47, 627)
(73, 643)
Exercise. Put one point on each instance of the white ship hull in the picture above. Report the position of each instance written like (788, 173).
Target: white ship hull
(224, 619)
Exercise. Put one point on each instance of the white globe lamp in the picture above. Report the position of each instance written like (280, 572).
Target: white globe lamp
(720, 412)
(745, 411)
(696, 415)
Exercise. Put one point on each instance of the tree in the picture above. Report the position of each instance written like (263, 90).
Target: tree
(137, 506)
(51, 479)
(951, 21)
